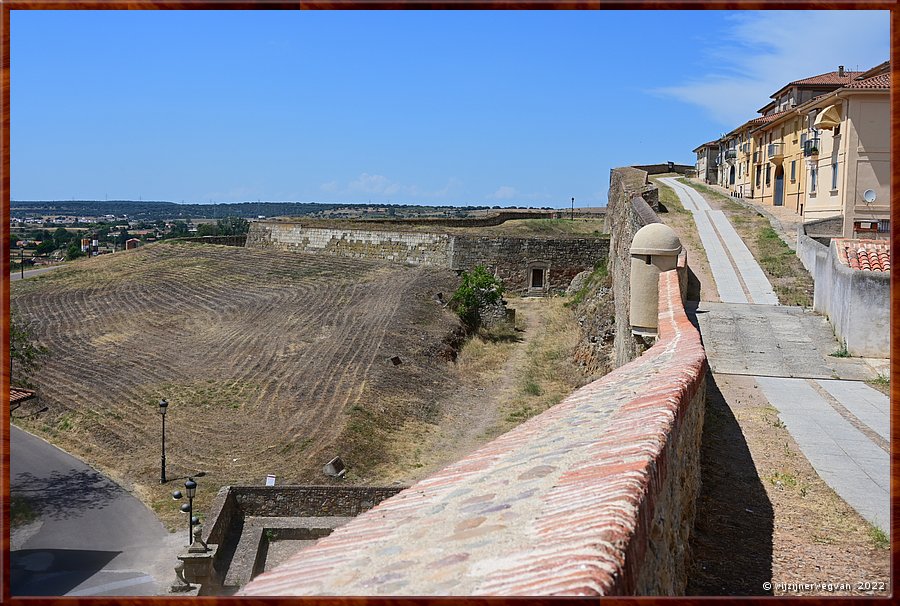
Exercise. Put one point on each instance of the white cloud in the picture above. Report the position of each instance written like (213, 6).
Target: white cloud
(760, 51)
(504, 192)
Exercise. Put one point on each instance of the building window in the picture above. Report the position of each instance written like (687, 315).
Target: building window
(837, 130)
(813, 178)
(884, 226)
(768, 173)
(834, 176)
(793, 170)
(758, 173)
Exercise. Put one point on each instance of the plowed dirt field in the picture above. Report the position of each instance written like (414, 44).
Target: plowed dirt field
(270, 363)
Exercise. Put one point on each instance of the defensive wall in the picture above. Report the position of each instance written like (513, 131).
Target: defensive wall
(514, 259)
(632, 205)
(595, 496)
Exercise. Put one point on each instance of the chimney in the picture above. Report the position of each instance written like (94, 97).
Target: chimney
(840, 71)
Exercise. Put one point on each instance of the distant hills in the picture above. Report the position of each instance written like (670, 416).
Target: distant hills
(156, 210)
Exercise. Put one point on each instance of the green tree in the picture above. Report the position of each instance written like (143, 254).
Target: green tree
(74, 251)
(477, 290)
(207, 229)
(233, 226)
(62, 236)
(46, 247)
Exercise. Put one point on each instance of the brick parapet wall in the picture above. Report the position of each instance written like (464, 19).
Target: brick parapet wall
(593, 497)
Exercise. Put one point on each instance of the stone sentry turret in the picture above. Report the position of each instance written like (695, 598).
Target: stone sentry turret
(654, 249)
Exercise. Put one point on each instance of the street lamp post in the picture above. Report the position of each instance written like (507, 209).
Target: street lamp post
(190, 489)
(22, 262)
(573, 209)
(163, 406)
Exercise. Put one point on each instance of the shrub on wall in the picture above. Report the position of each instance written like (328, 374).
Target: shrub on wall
(479, 289)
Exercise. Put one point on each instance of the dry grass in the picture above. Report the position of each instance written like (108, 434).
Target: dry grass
(682, 222)
(271, 363)
(791, 281)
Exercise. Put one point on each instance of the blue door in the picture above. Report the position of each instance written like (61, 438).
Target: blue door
(779, 187)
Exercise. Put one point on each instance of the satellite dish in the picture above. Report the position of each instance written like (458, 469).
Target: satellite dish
(869, 196)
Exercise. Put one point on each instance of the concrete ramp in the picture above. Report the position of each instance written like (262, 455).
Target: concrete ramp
(773, 341)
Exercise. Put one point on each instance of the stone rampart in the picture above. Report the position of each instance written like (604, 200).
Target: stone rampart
(631, 206)
(412, 248)
(595, 496)
(511, 258)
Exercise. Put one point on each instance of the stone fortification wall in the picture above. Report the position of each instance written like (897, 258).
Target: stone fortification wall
(411, 248)
(239, 240)
(489, 220)
(596, 496)
(631, 206)
(511, 258)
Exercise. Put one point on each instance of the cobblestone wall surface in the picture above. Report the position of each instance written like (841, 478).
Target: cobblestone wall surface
(593, 497)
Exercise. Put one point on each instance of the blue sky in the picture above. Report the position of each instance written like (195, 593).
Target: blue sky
(504, 107)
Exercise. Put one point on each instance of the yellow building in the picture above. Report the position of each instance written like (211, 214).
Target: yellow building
(763, 159)
(778, 171)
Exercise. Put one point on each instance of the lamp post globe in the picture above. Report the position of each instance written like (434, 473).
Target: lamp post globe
(191, 487)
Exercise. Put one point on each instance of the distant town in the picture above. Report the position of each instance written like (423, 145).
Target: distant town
(50, 232)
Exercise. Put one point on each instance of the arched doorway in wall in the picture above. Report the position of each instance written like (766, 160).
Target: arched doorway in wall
(731, 176)
(778, 198)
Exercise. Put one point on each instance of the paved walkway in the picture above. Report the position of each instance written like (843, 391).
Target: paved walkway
(841, 424)
(738, 276)
(89, 536)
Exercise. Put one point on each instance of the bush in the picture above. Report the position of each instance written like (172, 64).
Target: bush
(478, 290)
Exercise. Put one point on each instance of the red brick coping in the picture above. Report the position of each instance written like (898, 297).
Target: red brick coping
(564, 504)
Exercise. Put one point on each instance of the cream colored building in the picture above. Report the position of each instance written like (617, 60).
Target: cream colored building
(850, 176)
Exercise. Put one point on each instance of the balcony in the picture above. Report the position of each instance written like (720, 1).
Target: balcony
(730, 154)
(811, 147)
(776, 151)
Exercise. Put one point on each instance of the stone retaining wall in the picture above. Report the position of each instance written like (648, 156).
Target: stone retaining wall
(595, 496)
(510, 258)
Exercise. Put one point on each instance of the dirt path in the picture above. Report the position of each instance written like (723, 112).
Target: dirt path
(490, 376)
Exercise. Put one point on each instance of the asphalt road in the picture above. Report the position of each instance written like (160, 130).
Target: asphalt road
(89, 536)
(31, 272)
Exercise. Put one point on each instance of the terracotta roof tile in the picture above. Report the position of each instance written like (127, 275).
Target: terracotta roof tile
(865, 255)
(880, 81)
(827, 78)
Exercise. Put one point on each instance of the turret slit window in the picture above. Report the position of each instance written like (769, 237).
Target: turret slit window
(813, 179)
(793, 170)
(834, 176)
